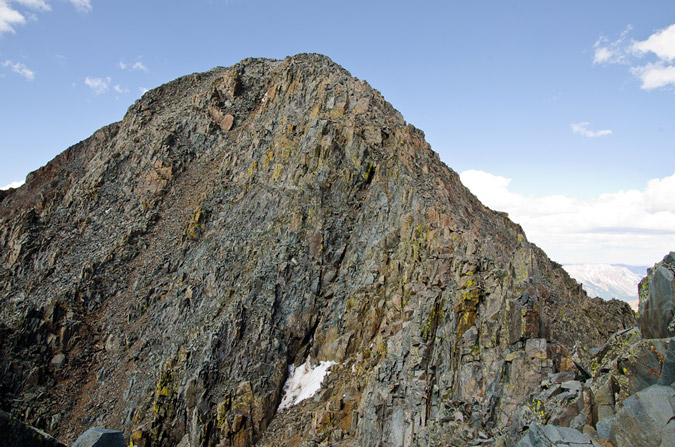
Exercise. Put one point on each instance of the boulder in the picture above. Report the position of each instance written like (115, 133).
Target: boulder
(656, 316)
(100, 437)
(644, 419)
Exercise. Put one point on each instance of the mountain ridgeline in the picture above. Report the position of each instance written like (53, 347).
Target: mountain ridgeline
(162, 276)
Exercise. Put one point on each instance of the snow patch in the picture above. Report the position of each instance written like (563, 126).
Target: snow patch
(303, 382)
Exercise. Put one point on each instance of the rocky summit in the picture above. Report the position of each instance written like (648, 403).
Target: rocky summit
(239, 228)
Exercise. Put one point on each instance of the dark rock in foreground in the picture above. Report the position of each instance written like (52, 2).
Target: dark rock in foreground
(15, 433)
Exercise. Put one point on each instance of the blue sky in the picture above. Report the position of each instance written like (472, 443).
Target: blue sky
(543, 98)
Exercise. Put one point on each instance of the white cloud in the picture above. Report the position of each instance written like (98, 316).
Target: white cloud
(98, 85)
(39, 5)
(653, 75)
(143, 90)
(582, 129)
(138, 65)
(611, 52)
(13, 12)
(13, 185)
(602, 54)
(630, 227)
(20, 69)
(119, 89)
(661, 43)
(9, 18)
(83, 6)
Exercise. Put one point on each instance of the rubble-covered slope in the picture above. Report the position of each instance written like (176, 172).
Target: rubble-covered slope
(162, 276)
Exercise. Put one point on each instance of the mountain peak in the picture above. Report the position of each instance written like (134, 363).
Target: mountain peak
(165, 275)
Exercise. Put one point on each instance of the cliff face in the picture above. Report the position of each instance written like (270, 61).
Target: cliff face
(162, 276)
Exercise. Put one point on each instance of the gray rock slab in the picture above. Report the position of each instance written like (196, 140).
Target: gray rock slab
(657, 300)
(644, 418)
(668, 437)
(100, 437)
(554, 436)
(604, 427)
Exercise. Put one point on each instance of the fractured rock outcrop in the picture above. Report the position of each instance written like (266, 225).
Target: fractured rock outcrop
(626, 393)
(161, 276)
(656, 315)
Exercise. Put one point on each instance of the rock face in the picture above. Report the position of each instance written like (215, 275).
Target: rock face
(161, 276)
(656, 315)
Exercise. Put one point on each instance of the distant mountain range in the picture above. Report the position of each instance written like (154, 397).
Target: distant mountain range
(609, 280)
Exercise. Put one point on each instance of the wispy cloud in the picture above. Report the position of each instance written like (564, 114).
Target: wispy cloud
(143, 90)
(9, 18)
(582, 129)
(658, 73)
(138, 65)
(98, 85)
(20, 69)
(631, 227)
(38, 5)
(612, 52)
(119, 89)
(83, 6)
(14, 13)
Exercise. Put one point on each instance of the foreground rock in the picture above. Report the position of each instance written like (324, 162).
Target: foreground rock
(553, 436)
(644, 419)
(100, 437)
(162, 276)
(15, 433)
(623, 394)
(657, 300)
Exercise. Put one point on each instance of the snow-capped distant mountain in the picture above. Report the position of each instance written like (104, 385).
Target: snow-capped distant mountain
(608, 281)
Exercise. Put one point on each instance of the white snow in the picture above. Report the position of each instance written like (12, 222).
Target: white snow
(303, 382)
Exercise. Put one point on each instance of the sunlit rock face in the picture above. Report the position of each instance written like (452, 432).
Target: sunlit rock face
(657, 300)
(161, 276)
